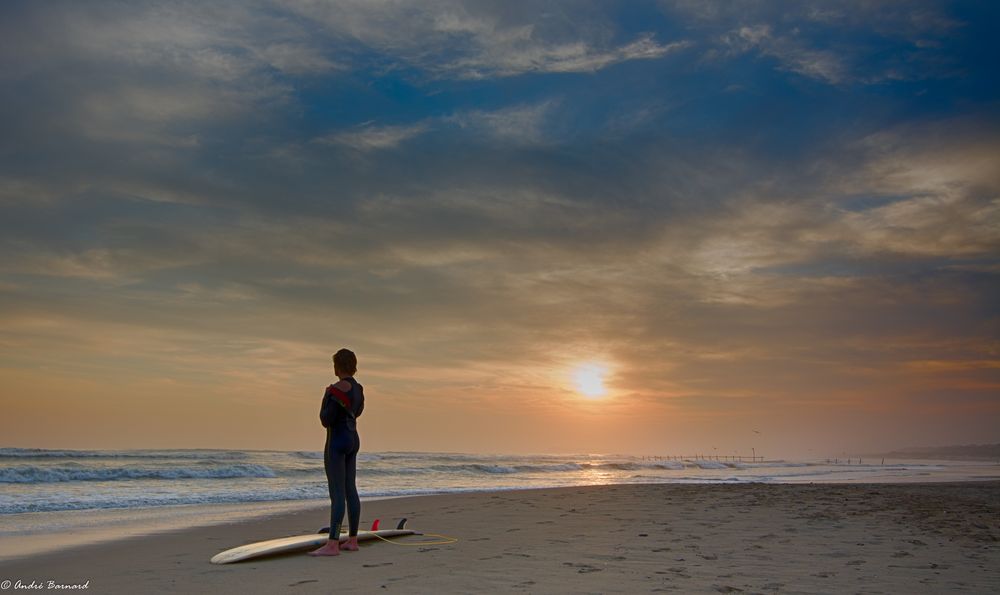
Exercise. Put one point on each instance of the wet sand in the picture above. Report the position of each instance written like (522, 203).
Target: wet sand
(757, 538)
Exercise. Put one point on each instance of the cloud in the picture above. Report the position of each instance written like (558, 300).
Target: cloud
(519, 124)
(297, 58)
(904, 19)
(522, 124)
(854, 42)
(374, 138)
(570, 57)
(908, 194)
(473, 40)
(792, 54)
(141, 74)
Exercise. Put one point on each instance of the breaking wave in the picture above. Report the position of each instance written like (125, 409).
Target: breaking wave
(32, 474)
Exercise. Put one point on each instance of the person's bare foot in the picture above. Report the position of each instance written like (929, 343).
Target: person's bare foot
(351, 545)
(330, 548)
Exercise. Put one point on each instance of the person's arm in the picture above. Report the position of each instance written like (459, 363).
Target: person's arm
(326, 410)
(361, 400)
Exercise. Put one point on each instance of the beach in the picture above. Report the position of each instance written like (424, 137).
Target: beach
(694, 296)
(821, 538)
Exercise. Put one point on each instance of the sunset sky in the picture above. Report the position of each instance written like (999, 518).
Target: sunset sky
(609, 227)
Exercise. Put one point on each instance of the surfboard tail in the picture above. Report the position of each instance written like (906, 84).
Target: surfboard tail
(375, 523)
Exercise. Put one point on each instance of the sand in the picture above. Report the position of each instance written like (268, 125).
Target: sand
(760, 538)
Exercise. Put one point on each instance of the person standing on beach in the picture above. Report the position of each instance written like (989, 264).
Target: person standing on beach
(343, 403)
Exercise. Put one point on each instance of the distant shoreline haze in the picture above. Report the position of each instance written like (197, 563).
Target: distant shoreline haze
(958, 452)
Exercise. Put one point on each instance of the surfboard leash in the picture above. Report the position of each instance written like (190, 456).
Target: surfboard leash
(445, 539)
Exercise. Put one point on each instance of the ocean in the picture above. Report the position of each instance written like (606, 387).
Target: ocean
(61, 498)
(46, 481)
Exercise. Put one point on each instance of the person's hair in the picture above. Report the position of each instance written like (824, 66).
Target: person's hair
(345, 361)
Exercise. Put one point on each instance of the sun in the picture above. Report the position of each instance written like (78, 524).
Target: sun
(589, 380)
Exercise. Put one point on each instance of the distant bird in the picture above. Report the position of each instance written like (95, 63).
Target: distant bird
(756, 431)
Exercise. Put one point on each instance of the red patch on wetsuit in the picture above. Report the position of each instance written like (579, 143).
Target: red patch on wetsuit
(340, 395)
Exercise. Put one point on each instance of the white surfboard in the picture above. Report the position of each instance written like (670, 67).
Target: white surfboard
(296, 543)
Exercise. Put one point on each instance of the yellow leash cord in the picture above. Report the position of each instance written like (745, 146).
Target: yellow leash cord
(445, 539)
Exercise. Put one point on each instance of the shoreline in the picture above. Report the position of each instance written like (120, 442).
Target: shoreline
(106, 525)
(21, 536)
(912, 537)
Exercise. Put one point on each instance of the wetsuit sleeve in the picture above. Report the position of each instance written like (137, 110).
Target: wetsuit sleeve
(361, 401)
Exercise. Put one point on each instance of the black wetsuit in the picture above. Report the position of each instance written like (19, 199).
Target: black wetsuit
(340, 455)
